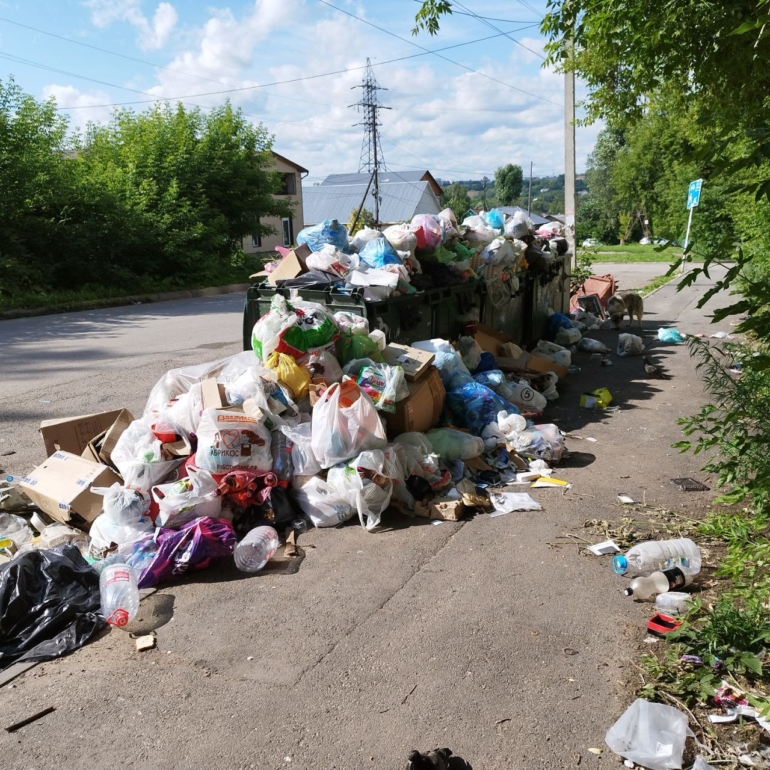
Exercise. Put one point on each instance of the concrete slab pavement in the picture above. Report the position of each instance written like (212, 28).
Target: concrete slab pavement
(418, 636)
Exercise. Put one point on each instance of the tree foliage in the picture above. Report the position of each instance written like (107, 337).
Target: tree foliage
(456, 197)
(508, 183)
(164, 195)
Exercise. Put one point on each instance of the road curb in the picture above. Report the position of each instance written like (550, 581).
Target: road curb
(99, 304)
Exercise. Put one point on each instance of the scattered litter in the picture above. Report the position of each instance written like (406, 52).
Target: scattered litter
(24, 722)
(604, 548)
(669, 335)
(543, 482)
(588, 438)
(143, 643)
(570, 651)
(626, 499)
(600, 398)
(508, 502)
(687, 484)
(721, 336)
(596, 751)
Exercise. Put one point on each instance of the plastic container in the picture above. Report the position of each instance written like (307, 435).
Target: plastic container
(256, 549)
(119, 593)
(659, 555)
(643, 588)
(673, 603)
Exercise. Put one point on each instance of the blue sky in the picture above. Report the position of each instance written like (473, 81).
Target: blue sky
(462, 122)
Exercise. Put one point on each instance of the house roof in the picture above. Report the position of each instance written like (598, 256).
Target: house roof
(400, 200)
(386, 177)
(511, 210)
(290, 162)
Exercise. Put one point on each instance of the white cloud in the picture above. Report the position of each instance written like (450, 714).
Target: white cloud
(153, 35)
(86, 102)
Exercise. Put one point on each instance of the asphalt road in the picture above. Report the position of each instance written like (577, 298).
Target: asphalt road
(457, 635)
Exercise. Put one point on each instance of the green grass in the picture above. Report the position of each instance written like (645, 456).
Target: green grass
(656, 283)
(635, 252)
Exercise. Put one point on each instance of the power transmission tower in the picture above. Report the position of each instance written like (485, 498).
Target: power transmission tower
(371, 149)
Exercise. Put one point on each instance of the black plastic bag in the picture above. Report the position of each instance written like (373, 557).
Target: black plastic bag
(49, 605)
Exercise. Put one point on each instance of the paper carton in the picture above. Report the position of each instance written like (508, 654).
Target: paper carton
(61, 487)
(73, 433)
(414, 362)
(292, 265)
(99, 449)
(442, 508)
(421, 410)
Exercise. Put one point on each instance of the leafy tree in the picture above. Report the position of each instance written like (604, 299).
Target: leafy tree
(508, 183)
(456, 198)
(365, 219)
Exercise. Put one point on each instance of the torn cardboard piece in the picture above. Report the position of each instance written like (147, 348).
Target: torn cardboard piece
(414, 362)
(73, 433)
(292, 265)
(421, 409)
(100, 448)
(443, 508)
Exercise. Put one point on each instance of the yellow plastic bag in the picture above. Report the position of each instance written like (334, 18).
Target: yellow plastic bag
(290, 374)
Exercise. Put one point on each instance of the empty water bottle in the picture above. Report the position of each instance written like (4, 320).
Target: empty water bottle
(256, 549)
(119, 593)
(658, 583)
(659, 555)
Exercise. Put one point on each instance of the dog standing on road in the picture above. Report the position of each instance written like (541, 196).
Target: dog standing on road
(625, 302)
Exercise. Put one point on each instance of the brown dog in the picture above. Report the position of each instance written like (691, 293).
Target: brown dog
(625, 302)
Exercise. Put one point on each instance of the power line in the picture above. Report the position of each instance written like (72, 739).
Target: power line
(490, 18)
(451, 61)
(492, 26)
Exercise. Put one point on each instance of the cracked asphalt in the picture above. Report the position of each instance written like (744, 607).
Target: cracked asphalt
(459, 634)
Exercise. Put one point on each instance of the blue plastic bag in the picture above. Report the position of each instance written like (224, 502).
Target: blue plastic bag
(378, 253)
(495, 218)
(557, 321)
(328, 231)
(474, 406)
(487, 363)
(670, 335)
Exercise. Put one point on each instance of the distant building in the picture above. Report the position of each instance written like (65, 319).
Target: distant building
(286, 228)
(511, 210)
(404, 194)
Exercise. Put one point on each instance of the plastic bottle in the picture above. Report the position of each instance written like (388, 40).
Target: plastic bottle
(673, 603)
(120, 595)
(659, 555)
(658, 583)
(256, 549)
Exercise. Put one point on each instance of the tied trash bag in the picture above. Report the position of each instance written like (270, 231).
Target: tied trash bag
(670, 335)
(401, 238)
(228, 441)
(494, 218)
(49, 605)
(519, 226)
(191, 498)
(322, 502)
(140, 459)
(171, 553)
(378, 254)
(328, 231)
(592, 346)
(331, 260)
(557, 321)
(124, 518)
(450, 444)
(345, 423)
(499, 251)
(474, 406)
(651, 735)
(355, 346)
(376, 472)
(427, 231)
(292, 328)
(299, 447)
(630, 345)
(297, 380)
(363, 236)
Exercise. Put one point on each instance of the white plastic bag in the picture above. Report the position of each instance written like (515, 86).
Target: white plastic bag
(190, 498)
(567, 337)
(401, 238)
(451, 444)
(590, 345)
(345, 423)
(554, 352)
(651, 735)
(519, 225)
(419, 459)
(362, 237)
(498, 252)
(303, 460)
(526, 397)
(351, 323)
(139, 458)
(322, 502)
(252, 383)
(375, 493)
(384, 384)
(228, 441)
(123, 520)
(630, 345)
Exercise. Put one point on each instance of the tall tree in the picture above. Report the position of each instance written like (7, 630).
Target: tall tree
(456, 198)
(508, 183)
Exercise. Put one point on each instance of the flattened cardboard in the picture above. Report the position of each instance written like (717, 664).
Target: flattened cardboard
(73, 433)
(292, 265)
(61, 487)
(213, 394)
(528, 362)
(421, 410)
(490, 339)
(414, 362)
(442, 508)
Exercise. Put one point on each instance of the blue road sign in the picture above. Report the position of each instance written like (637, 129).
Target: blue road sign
(693, 194)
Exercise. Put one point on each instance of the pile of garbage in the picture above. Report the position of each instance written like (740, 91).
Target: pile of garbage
(321, 422)
(429, 252)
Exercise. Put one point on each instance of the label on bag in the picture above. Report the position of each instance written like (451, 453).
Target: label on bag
(676, 578)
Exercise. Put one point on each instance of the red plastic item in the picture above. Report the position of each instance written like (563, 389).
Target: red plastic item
(660, 625)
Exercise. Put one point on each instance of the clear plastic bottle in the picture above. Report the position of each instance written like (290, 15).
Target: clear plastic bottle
(642, 588)
(119, 592)
(659, 555)
(256, 549)
(673, 603)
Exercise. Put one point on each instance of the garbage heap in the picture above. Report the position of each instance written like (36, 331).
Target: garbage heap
(430, 252)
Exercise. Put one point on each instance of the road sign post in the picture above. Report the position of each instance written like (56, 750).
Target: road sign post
(693, 199)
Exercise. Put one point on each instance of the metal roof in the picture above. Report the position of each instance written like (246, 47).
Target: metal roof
(385, 177)
(400, 200)
(511, 210)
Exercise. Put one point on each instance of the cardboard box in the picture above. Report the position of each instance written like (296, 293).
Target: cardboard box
(99, 449)
(489, 339)
(73, 433)
(61, 487)
(442, 508)
(414, 362)
(213, 394)
(527, 362)
(422, 409)
(292, 265)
